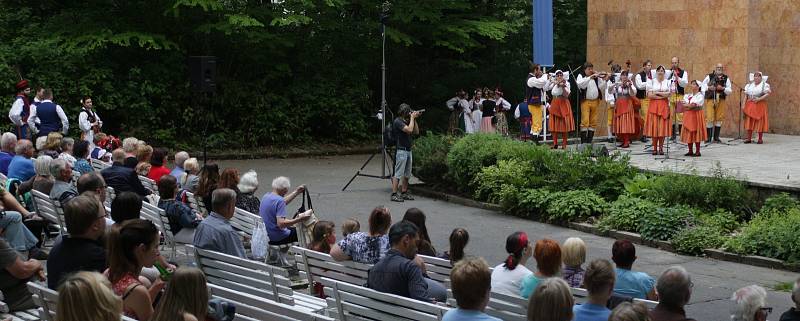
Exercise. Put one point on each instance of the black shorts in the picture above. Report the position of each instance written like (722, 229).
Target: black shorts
(292, 238)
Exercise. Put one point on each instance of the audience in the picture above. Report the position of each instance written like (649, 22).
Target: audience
(42, 181)
(674, 291)
(245, 198)
(280, 229)
(8, 142)
(182, 220)
(350, 226)
(398, 274)
(81, 153)
(82, 249)
(189, 179)
(83, 287)
(551, 301)
(750, 304)
(458, 241)
(630, 283)
(67, 146)
(229, 179)
(144, 153)
(793, 314)
(158, 162)
(52, 145)
(186, 298)
(20, 227)
(599, 282)
(122, 178)
(424, 244)
(367, 248)
(507, 277)
(14, 276)
(62, 190)
(126, 206)
(548, 263)
(130, 247)
(207, 183)
(130, 146)
(215, 232)
(21, 165)
(99, 153)
(627, 311)
(93, 184)
(324, 235)
(471, 284)
(574, 256)
(180, 159)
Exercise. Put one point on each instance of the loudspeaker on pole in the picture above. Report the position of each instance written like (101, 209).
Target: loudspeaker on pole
(203, 73)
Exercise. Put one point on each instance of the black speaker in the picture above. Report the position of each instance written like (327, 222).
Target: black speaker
(203, 73)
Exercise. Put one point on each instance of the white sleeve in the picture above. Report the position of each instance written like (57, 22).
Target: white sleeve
(704, 85)
(698, 100)
(99, 121)
(16, 110)
(32, 119)
(632, 91)
(728, 89)
(649, 86)
(683, 81)
(687, 99)
(505, 104)
(64, 119)
(583, 82)
(609, 94)
(540, 82)
(83, 121)
(640, 84)
(516, 112)
(603, 85)
(767, 89)
(451, 104)
(567, 88)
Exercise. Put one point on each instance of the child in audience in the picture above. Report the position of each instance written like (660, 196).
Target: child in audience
(458, 241)
(507, 277)
(87, 296)
(350, 226)
(551, 301)
(324, 235)
(574, 256)
(186, 297)
(471, 282)
(627, 311)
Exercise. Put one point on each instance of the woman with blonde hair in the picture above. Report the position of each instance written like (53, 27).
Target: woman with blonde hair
(189, 179)
(143, 155)
(186, 297)
(52, 145)
(627, 311)
(551, 301)
(573, 255)
(83, 287)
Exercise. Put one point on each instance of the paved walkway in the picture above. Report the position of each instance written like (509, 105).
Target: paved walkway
(714, 281)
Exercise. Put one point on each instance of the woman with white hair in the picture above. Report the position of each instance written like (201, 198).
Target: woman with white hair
(246, 200)
(750, 304)
(189, 178)
(66, 151)
(42, 181)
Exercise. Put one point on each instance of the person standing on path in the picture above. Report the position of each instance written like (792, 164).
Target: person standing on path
(402, 128)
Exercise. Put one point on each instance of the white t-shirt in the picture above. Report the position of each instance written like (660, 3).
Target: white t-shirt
(507, 281)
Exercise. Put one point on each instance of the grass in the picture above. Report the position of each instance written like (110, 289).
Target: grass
(783, 286)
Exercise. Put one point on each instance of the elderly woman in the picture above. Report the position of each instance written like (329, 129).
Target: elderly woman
(750, 304)
(574, 255)
(130, 145)
(67, 145)
(246, 200)
(755, 109)
(42, 181)
(189, 178)
(52, 145)
(144, 153)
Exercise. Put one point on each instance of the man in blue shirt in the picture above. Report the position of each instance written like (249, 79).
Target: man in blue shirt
(21, 166)
(273, 212)
(180, 158)
(7, 143)
(215, 232)
(630, 283)
(599, 282)
(471, 281)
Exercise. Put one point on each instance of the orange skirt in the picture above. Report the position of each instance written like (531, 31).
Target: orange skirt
(624, 117)
(657, 123)
(757, 116)
(694, 127)
(561, 120)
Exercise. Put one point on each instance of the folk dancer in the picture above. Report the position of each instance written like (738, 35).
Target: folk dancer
(488, 107)
(694, 120)
(477, 107)
(501, 106)
(680, 79)
(593, 85)
(461, 114)
(534, 96)
(50, 116)
(755, 109)
(641, 80)
(523, 115)
(610, 99)
(561, 121)
(657, 123)
(717, 86)
(622, 92)
(21, 109)
(88, 121)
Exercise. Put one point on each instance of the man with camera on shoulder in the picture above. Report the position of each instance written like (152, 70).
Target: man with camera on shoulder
(402, 128)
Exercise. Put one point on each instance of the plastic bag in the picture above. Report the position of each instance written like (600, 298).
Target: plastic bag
(259, 244)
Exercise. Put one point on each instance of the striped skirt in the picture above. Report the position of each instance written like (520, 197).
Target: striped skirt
(657, 123)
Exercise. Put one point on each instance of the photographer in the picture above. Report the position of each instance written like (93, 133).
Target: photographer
(402, 128)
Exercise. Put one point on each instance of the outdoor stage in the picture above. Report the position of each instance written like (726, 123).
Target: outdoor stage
(772, 165)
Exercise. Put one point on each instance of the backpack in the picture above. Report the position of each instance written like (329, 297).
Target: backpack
(389, 138)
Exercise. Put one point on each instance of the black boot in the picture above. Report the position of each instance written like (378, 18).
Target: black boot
(717, 129)
(590, 137)
(709, 133)
(674, 133)
(583, 136)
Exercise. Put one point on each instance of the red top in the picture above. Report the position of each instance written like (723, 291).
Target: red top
(122, 289)
(156, 172)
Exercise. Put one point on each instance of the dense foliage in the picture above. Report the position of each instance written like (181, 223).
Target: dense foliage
(624, 214)
(772, 232)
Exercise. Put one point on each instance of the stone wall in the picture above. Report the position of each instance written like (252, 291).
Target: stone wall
(743, 35)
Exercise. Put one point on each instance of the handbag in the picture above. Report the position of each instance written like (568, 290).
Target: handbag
(308, 225)
(260, 242)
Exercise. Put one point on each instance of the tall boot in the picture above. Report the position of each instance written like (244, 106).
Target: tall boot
(697, 147)
(691, 151)
(590, 137)
(749, 137)
(760, 138)
(583, 136)
(709, 133)
(564, 142)
(674, 132)
(717, 129)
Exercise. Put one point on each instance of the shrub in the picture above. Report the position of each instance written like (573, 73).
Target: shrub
(534, 202)
(771, 234)
(609, 174)
(488, 182)
(471, 153)
(625, 213)
(781, 202)
(575, 205)
(722, 220)
(663, 223)
(721, 190)
(695, 239)
(430, 158)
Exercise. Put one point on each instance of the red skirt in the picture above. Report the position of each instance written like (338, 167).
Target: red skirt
(757, 116)
(561, 120)
(694, 127)
(624, 117)
(657, 123)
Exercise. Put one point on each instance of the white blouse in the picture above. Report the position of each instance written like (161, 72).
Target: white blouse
(753, 90)
(557, 90)
(653, 85)
(696, 99)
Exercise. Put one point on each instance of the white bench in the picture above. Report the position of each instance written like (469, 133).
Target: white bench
(314, 265)
(47, 300)
(581, 296)
(244, 222)
(257, 308)
(149, 184)
(156, 215)
(438, 269)
(502, 306)
(351, 302)
(196, 204)
(99, 165)
(49, 209)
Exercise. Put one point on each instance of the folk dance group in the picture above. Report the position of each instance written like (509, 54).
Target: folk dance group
(485, 112)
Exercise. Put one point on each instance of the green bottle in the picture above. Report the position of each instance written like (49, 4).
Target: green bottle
(165, 274)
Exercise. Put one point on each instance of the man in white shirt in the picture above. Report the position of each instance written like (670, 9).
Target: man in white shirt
(640, 81)
(535, 97)
(680, 79)
(20, 110)
(51, 116)
(716, 86)
(591, 85)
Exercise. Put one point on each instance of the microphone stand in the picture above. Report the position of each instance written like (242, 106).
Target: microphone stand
(741, 113)
(577, 101)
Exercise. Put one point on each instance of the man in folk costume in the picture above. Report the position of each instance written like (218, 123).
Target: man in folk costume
(20, 110)
(680, 79)
(592, 85)
(523, 116)
(717, 87)
(461, 114)
(641, 80)
(88, 121)
(534, 96)
(51, 116)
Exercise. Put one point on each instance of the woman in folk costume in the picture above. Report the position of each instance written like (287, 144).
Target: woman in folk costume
(560, 121)
(694, 120)
(755, 109)
(657, 124)
(488, 109)
(624, 122)
(477, 107)
(461, 114)
(502, 105)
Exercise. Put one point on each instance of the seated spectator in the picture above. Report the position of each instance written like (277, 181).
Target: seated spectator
(82, 249)
(508, 276)
(551, 301)
(189, 178)
(458, 241)
(121, 178)
(52, 145)
(398, 274)
(182, 220)
(21, 165)
(97, 151)
(793, 314)
(574, 252)
(599, 282)
(126, 206)
(367, 248)
(324, 235)
(273, 211)
(350, 226)
(20, 227)
(84, 287)
(630, 283)
(471, 283)
(424, 245)
(215, 232)
(130, 145)
(247, 187)
(750, 304)
(229, 179)
(81, 153)
(548, 263)
(67, 146)
(42, 181)
(144, 153)
(130, 247)
(63, 190)
(180, 159)
(39, 143)
(674, 291)
(186, 298)
(627, 311)
(207, 183)
(14, 276)
(93, 184)
(8, 142)
(158, 162)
